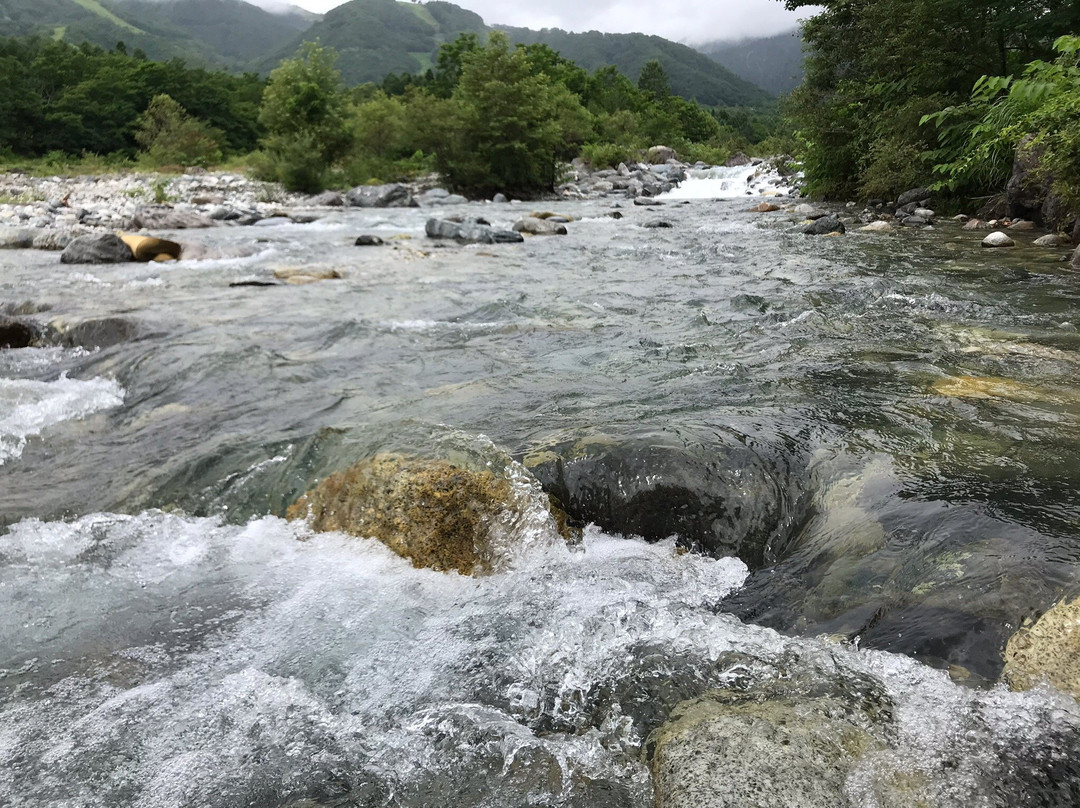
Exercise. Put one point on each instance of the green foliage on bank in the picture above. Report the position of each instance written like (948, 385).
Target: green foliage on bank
(1038, 111)
(56, 97)
(875, 70)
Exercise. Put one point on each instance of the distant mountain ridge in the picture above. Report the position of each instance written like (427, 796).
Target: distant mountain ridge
(774, 63)
(372, 37)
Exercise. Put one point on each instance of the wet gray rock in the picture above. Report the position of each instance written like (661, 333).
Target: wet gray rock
(470, 232)
(16, 238)
(657, 224)
(439, 196)
(721, 499)
(500, 199)
(369, 241)
(661, 154)
(327, 199)
(539, 227)
(1076, 258)
(165, 217)
(824, 226)
(915, 221)
(103, 248)
(19, 333)
(53, 239)
(915, 195)
(100, 333)
(381, 196)
(773, 747)
(738, 159)
(1052, 240)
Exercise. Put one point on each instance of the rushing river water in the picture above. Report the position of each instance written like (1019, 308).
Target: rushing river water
(899, 414)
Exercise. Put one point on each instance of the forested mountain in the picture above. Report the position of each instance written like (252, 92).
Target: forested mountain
(376, 37)
(692, 74)
(372, 37)
(229, 33)
(238, 32)
(773, 63)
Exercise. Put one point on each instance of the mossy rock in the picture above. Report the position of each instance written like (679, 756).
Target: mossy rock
(1047, 650)
(433, 512)
(729, 750)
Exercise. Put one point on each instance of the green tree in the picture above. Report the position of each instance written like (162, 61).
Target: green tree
(876, 67)
(511, 125)
(653, 80)
(169, 136)
(304, 112)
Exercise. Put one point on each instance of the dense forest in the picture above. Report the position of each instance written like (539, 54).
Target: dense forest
(488, 115)
(902, 93)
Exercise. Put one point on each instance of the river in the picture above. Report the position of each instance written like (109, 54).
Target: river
(897, 416)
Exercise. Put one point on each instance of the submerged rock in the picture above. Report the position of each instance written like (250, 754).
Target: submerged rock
(101, 333)
(432, 512)
(825, 226)
(1048, 650)
(719, 499)
(772, 747)
(104, 248)
(367, 240)
(18, 333)
(657, 224)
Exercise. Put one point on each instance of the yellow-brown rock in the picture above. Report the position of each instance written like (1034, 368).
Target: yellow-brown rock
(433, 512)
(764, 207)
(1047, 650)
(306, 274)
(148, 248)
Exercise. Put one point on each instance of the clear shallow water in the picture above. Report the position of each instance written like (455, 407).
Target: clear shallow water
(142, 649)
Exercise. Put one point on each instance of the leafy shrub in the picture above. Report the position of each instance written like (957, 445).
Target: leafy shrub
(169, 136)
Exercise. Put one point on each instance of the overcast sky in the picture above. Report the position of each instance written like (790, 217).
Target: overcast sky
(692, 21)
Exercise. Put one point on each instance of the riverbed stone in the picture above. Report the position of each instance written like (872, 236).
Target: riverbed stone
(719, 498)
(733, 750)
(103, 332)
(763, 207)
(381, 196)
(997, 239)
(433, 512)
(877, 227)
(470, 232)
(18, 332)
(915, 195)
(16, 238)
(368, 240)
(327, 199)
(825, 226)
(102, 248)
(1052, 240)
(539, 227)
(165, 217)
(1047, 650)
(1076, 258)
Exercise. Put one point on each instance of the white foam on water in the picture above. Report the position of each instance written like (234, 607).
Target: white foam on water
(722, 182)
(157, 660)
(28, 407)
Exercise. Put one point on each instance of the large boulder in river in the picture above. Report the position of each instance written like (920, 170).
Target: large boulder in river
(380, 196)
(470, 232)
(165, 217)
(539, 227)
(721, 497)
(103, 332)
(16, 332)
(433, 512)
(824, 226)
(103, 248)
(1047, 650)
